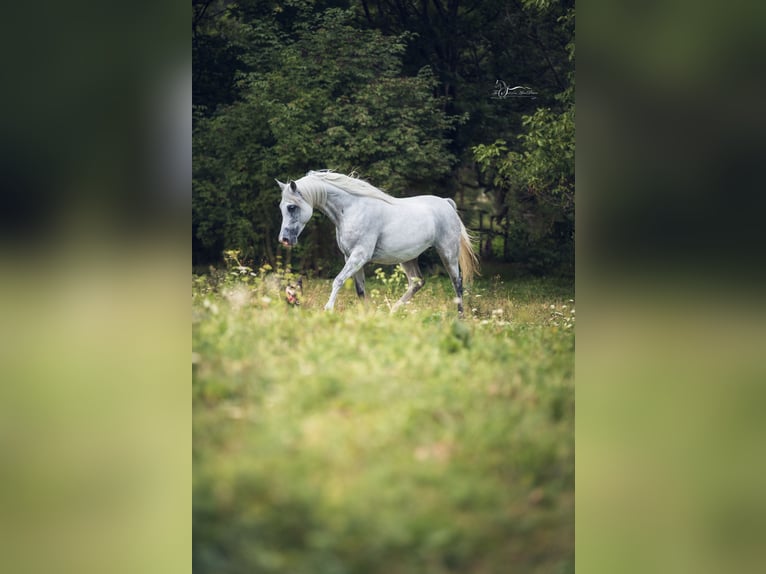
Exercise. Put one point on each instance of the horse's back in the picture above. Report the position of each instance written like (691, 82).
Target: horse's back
(412, 225)
(441, 210)
(438, 205)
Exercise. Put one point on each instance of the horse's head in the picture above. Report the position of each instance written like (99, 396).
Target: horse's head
(296, 212)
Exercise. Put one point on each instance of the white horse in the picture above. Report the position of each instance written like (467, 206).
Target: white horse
(373, 226)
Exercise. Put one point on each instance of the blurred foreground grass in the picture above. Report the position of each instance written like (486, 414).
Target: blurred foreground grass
(360, 441)
(670, 428)
(94, 412)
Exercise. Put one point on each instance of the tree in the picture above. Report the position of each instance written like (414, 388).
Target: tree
(396, 90)
(336, 98)
(534, 180)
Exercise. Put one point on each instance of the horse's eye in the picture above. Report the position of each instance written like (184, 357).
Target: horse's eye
(292, 208)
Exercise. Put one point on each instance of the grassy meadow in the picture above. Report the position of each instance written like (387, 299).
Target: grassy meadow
(364, 442)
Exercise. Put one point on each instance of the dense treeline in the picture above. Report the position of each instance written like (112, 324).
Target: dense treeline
(414, 96)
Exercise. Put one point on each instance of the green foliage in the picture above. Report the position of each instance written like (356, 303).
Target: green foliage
(335, 97)
(544, 168)
(338, 99)
(534, 176)
(358, 441)
(241, 285)
(398, 92)
(388, 287)
(216, 58)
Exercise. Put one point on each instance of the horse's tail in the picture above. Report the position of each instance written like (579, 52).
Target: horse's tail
(467, 259)
(469, 262)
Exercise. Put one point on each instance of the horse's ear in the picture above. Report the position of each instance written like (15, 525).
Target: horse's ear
(294, 189)
(281, 185)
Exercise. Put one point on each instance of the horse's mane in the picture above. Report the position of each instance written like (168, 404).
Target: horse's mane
(352, 185)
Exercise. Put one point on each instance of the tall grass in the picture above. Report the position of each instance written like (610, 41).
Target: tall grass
(364, 442)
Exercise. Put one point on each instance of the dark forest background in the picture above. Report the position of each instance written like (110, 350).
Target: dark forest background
(414, 96)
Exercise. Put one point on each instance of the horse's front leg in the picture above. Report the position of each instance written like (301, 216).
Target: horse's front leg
(354, 263)
(359, 281)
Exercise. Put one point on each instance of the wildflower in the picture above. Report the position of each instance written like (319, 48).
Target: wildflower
(207, 304)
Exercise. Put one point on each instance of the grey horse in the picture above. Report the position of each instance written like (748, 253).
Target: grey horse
(372, 226)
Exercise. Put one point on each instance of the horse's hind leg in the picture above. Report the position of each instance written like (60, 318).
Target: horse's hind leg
(414, 279)
(449, 259)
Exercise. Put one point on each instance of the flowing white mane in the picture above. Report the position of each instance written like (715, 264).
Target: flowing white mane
(352, 185)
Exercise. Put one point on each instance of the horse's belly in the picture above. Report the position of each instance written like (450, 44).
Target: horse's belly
(401, 247)
(392, 259)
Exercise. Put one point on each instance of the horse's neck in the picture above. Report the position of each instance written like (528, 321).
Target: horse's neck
(315, 194)
(335, 202)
